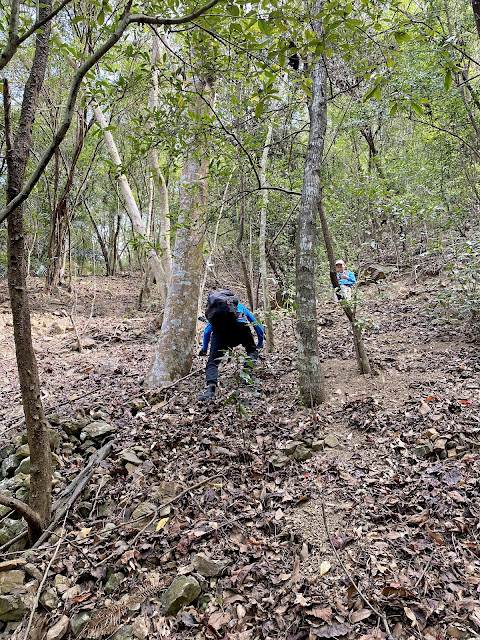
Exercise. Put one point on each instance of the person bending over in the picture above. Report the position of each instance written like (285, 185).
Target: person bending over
(227, 327)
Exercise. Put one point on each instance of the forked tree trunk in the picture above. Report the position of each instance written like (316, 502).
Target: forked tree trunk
(360, 353)
(174, 352)
(309, 370)
(18, 151)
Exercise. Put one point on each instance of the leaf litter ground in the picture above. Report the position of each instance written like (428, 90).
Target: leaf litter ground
(399, 491)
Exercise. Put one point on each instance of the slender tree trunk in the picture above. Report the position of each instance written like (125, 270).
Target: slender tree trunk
(476, 14)
(174, 351)
(243, 261)
(360, 353)
(164, 211)
(262, 241)
(18, 151)
(101, 241)
(310, 372)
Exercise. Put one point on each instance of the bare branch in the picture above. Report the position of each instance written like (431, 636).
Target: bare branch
(31, 517)
(144, 19)
(14, 42)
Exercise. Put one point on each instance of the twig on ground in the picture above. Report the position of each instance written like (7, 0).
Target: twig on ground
(79, 342)
(45, 575)
(427, 566)
(378, 613)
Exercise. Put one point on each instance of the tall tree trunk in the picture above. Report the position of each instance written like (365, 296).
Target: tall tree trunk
(160, 182)
(476, 14)
(310, 372)
(18, 151)
(262, 253)
(243, 261)
(350, 310)
(174, 351)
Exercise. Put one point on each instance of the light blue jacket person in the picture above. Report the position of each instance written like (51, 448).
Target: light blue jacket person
(248, 317)
(346, 280)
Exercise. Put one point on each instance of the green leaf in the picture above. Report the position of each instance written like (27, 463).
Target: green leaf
(394, 109)
(377, 93)
(264, 27)
(417, 108)
(259, 109)
(370, 93)
(448, 80)
(101, 17)
(402, 36)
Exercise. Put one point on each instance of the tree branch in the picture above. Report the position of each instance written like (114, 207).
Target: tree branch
(29, 515)
(144, 19)
(14, 42)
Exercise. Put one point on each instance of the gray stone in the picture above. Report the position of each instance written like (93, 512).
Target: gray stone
(49, 599)
(55, 439)
(12, 608)
(23, 451)
(291, 446)
(124, 633)
(9, 529)
(332, 441)
(23, 467)
(7, 450)
(79, 620)
(454, 631)
(422, 451)
(302, 452)
(9, 465)
(10, 627)
(67, 448)
(279, 461)
(84, 508)
(113, 582)
(10, 580)
(144, 509)
(58, 630)
(182, 591)
(73, 427)
(318, 445)
(98, 430)
(130, 456)
(208, 567)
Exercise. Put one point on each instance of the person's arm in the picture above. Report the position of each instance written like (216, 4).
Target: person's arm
(351, 277)
(256, 325)
(206, 337)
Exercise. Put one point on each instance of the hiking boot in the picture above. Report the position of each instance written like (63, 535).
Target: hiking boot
(208, 393)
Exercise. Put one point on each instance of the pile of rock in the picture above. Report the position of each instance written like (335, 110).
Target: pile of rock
(300, 449)
(432, 444)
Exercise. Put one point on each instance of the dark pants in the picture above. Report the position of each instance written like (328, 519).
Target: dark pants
(240, 334)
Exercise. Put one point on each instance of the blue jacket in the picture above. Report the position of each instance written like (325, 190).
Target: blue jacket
(249, 317)
(347, 278)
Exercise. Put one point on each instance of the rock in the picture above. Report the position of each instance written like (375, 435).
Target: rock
(376, 272)
(124, 633)
(332, 441)
(9, 529)
(10, 580)
(457, 632)
(98, 430)
(54, 439)
(146, 509)
(9, 465)
(424, 409)
(302, 452)
(12, 608)
(49, 599)
(279, 461)
(13, 563)
(422, 451)
(130, 456)
(79, 620)
(208, 567)
(182, 591)
(58, 630)
(113, 582)
(318, 445)
(131, 468)
(141, 628)
(291, 446)
(136, 404)
(84, 508)
(168, 489)
(23, 451)
(62, 583)
(440, 445)
(87, 343)
(431, 434)
(57, 329)
(72, 427)
(24, 466)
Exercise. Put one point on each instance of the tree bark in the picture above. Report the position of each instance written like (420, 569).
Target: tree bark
(309, 369)
(243, 262)
(18, 151)
(476, 14)
(262, 253)
(174, 352)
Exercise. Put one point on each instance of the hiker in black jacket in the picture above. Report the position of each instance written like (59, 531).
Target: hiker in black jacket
(227, 327)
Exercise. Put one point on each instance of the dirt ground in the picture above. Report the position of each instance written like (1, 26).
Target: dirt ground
(402, 513)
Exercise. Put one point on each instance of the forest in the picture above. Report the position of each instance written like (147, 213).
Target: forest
(305, 465)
